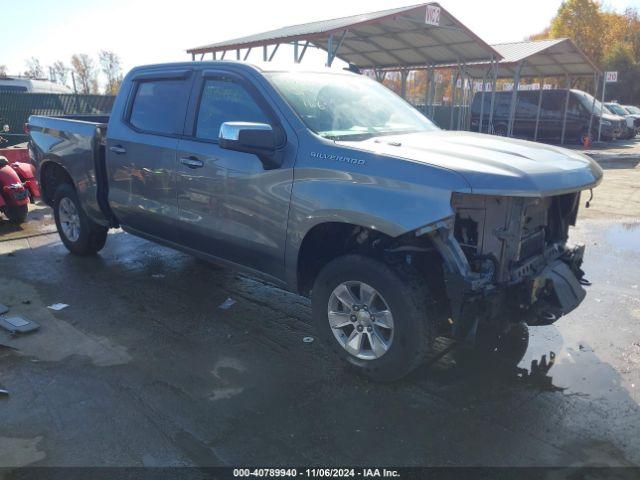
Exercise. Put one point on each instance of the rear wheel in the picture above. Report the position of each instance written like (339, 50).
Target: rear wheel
(500, 130)
(374, 317)
(16, 214)
(78, 232)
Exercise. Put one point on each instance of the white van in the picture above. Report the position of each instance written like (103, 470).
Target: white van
(28, 85)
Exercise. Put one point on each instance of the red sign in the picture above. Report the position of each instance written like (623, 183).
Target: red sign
(433, 15)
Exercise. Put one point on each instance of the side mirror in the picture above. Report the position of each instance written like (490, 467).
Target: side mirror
(257, 138)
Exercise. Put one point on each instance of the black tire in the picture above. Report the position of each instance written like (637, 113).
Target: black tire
(500, 130)
(92, 236)
(17, 214)
(407, 297)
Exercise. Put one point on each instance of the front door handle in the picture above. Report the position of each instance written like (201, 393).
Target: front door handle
(118, 149)
(192, 162)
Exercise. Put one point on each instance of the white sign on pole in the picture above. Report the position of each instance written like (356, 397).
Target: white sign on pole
(433, 15)
(611, 77)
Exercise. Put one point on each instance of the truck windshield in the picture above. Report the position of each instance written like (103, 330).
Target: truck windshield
(588, 103)
(348, 107)
(632, 110)
(617, 109)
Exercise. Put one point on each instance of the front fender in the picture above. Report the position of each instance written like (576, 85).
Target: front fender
(391, 206)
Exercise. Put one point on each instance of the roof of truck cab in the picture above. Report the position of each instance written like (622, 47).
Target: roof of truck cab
(260, 67)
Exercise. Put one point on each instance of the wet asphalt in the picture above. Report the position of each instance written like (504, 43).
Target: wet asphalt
(144, 369)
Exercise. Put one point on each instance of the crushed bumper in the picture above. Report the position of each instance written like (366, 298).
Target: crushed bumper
(540, 290)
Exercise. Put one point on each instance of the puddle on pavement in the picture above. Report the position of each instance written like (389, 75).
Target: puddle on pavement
(39, 221)
(625, 236)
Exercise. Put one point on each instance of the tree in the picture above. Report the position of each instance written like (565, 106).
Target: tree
(34, 69)
(610, 39)
(3, 71)
(110, 64)
(581, 21)
(59, 72)
(85, 73)
(620, 59)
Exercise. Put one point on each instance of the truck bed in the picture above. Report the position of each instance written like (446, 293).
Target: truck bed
(77, 144)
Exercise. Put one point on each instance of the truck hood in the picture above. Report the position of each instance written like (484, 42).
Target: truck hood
(492, 165)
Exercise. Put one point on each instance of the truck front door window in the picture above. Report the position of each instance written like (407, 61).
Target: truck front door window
(159, 106)
(225, 101)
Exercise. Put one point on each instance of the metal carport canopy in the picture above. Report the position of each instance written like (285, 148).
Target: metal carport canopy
(399, 37)
(541, 58)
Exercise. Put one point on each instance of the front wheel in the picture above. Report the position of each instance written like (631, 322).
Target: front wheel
(78, 232)
(17, 214)
(374, 317)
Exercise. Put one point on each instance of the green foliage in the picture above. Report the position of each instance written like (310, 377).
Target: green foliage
(620, 58)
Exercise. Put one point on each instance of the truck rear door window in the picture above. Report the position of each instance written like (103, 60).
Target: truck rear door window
(224, 100)
(159, 106)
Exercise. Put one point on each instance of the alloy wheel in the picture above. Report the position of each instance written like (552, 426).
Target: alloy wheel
(361, 320)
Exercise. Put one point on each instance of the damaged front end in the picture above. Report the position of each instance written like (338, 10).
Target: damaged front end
(506, 260)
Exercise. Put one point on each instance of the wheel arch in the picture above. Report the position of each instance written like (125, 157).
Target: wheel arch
(52, 175)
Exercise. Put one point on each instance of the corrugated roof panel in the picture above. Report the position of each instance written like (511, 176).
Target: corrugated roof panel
(516, 51)
(393, 29)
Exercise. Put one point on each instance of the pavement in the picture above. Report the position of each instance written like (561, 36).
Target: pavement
(144, 369)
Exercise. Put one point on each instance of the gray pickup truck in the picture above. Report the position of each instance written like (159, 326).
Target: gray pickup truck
(329, 185)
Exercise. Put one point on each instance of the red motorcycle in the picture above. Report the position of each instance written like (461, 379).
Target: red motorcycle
(18, 187)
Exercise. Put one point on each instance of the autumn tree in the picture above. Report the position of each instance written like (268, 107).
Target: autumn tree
(85, 73)
(59, 72)
(112, 70)
(581, 21)
(34, 68)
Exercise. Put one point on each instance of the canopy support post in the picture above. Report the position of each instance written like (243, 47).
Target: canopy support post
(331, 52)
(535, 133)
(403, 83)
(514, 99)
(566, 110)
(304, 50)
(246, 55)
(273, 54)
(264, 53)
(494, 84)
(193, 57)
(454, 87)
(428, 85)
(482, 97)
(593, 104)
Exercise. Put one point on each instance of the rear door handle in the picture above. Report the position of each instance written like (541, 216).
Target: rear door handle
(192, 162)
(118, 149)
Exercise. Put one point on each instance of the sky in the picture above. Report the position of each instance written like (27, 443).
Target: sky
(146, 31)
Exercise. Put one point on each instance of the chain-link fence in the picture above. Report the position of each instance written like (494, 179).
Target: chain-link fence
(16, 107)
